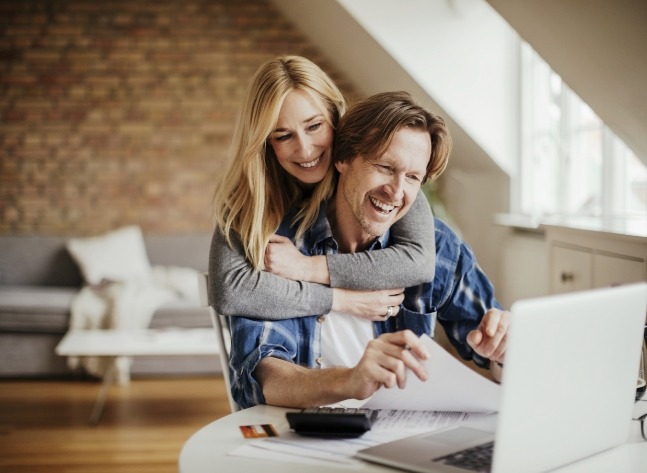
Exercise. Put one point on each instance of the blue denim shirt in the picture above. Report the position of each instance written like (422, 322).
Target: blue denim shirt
(458, 297)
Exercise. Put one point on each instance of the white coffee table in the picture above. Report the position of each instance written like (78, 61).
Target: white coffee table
(116, 343)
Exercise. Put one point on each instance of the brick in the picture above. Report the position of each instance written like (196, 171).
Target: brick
(19, 79)
(94, 129)
(64, 30)
(77, 91)
(10, 215)
(158, 104)
(12, 128)
(88, 56)
(126, 56)
(103, 80)
(33, 140)
(135, 128)
(22, 30)
(42, 55)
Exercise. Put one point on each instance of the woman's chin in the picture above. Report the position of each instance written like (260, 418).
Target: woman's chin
(308, 182)
(310, 177)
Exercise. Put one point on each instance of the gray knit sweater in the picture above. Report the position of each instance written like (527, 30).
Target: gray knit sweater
(237, 289)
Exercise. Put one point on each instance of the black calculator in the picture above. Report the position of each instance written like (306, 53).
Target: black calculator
(332, 421)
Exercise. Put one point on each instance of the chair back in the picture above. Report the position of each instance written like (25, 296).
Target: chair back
(221, 326)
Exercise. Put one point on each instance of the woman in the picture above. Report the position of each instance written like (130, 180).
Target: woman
(281, 165)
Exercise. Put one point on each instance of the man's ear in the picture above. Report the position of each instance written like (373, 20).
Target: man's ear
(341, 166)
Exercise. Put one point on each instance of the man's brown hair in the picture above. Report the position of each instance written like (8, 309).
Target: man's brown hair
(368, 127)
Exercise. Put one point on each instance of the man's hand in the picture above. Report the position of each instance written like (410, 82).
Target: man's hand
(490, 338)
(385, 362)
(284, 259)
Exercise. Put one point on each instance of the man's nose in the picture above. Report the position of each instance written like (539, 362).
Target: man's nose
(395, 187)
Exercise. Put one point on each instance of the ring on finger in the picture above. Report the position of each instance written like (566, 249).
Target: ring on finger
(389, 312)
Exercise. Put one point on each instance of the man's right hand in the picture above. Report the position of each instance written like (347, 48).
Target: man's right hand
(385, 362)
(371, 305)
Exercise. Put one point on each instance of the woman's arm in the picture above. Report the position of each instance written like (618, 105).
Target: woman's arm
(237, 289)
(410, 261)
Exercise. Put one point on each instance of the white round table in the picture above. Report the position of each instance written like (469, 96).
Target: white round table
(207, 450)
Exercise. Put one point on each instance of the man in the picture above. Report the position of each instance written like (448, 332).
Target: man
(386, 147)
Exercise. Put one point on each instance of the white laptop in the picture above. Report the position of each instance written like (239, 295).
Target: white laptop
(568, 389)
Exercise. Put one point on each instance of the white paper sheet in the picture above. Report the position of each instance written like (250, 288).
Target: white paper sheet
(451, 386)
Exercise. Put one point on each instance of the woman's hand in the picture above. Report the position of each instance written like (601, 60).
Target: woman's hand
(284, 259)
(371, 305)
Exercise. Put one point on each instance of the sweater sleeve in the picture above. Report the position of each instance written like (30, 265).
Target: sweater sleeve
(235, 288)
(410, 261)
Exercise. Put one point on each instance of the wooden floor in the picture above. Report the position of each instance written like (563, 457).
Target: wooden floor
(44, 424)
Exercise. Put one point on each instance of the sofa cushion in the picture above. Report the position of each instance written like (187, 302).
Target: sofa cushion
(44, 299)
(35, 309)
(35, 322)
(119, 256)
(37, 261)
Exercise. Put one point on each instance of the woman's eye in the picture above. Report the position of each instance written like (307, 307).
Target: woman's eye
(282, 137)
(314, 127)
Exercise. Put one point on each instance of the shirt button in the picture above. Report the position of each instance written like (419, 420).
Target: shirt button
(319, 360)
(321, 319)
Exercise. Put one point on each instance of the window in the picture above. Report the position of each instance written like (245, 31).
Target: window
(571, 164)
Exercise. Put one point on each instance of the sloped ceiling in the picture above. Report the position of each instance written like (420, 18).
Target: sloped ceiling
(599, 48)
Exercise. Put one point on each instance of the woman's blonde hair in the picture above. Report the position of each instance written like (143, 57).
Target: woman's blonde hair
(255, 192)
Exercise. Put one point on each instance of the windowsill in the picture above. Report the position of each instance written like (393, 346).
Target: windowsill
(627, 226)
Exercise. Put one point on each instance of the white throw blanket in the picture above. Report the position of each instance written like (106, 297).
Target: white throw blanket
(128, 306)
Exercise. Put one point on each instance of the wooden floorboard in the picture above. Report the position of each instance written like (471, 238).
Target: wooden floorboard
(44, 424)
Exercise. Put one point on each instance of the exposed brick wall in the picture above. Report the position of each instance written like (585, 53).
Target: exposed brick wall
(120, 112)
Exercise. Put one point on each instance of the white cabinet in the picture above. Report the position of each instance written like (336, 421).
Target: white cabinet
(585, 259)
(610, 270)
(571, 269)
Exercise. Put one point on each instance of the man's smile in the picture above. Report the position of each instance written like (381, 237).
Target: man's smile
(382, 207)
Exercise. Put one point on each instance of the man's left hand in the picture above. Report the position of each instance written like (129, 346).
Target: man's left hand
(490, 338)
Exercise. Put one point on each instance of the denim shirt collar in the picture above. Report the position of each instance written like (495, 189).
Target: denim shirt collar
(319, 238)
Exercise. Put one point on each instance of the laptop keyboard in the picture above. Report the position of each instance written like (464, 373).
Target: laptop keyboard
(477, 458)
